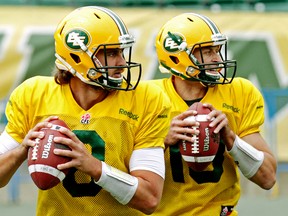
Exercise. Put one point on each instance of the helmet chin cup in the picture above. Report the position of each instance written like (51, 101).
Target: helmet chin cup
(212, 76)
(116, 82)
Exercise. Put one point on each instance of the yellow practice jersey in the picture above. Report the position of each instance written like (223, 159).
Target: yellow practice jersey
(110, 130)
(216, 190)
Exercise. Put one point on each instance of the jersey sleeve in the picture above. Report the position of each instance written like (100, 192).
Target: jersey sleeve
(155, 123)
(21, 107)
(253, 110)
(16, 113)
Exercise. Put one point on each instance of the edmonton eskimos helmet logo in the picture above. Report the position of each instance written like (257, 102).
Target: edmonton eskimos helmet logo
(172, 44)
(75, 37)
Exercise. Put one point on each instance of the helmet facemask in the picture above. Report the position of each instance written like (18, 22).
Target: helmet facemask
(209, 74)
(100, 75)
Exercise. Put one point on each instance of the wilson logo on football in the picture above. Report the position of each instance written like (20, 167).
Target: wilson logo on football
(206, 139)
(47, 146)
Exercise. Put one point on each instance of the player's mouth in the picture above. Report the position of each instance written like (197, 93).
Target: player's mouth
(117, 75)
(211, 71)
(213, 74)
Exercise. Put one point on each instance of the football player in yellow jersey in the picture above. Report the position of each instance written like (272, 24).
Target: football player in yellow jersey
(191, 48)
(117, 130)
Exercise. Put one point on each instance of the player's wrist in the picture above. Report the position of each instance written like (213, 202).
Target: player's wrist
(22, 152)
(119, 184)
(96, 170)
(229, 139)
(248, 158)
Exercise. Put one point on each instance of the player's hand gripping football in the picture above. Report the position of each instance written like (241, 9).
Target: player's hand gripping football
(34, 133)
(221, 124)
(80, 157)
(181, 128)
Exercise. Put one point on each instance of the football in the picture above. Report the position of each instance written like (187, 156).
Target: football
(42, 162)
(201, 153)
